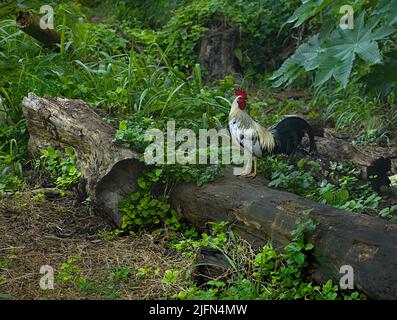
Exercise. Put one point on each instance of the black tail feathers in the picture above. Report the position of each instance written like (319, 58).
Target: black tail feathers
(289, 132)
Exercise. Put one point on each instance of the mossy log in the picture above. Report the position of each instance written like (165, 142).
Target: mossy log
(256, 212)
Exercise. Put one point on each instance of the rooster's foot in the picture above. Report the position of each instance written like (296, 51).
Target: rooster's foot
(245, 174)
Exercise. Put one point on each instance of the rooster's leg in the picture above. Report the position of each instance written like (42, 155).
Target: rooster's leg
(255, 168)
(247, 168)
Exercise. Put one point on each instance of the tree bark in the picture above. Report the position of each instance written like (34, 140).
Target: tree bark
(30, 24)
(257, 213)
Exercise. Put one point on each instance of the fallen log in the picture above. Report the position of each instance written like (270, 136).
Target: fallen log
(29, 23)
(257, 213)
(109, 172)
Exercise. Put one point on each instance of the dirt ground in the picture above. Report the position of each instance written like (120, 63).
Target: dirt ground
(36, 232)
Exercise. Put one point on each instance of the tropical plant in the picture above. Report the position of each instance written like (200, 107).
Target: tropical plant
(333, 52)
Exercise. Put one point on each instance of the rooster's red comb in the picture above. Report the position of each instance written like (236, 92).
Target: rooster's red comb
(242, 93)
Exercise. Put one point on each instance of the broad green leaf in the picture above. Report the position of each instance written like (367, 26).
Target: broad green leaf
(325, 71)
(307, 10)
(333, 56)
(343, 69)
(369, 52)
(383, 78)
(388, 10)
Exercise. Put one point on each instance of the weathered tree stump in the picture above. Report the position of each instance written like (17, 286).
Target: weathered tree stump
(216, 53)
(257, 213)
(210, 264)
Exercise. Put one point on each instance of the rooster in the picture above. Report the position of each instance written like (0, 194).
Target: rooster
(283, 137)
